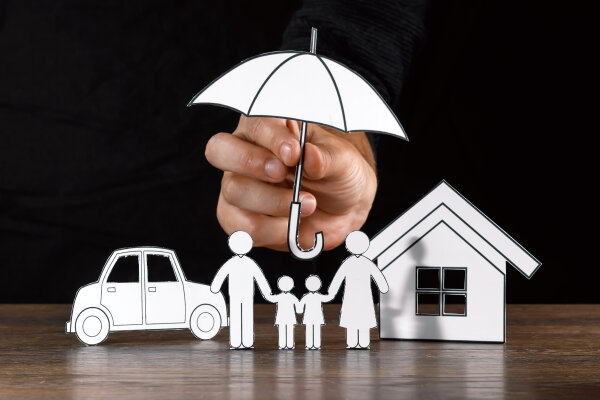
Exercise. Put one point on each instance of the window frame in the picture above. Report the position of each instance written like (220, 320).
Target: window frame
(441, 292)
(178, 279)
(113, 264)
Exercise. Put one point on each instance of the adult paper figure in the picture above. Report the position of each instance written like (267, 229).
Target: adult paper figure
(242, 272)
(358, 311)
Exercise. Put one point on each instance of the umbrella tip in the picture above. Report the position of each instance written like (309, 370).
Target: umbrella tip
(313, 40)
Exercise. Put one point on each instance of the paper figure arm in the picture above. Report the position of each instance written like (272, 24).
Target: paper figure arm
(336, 282)
(262, 283)
(299, 306)
(379, 279)
(271, 298)
(326, 298)
(219, 278)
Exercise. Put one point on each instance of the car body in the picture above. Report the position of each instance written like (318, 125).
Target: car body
(144, 288)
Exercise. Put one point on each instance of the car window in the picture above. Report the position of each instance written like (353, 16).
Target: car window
(160, 268)
(125, 269)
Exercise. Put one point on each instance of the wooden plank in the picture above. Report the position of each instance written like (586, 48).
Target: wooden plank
(552, 351)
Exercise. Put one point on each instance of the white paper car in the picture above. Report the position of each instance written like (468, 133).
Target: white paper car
(144, 288)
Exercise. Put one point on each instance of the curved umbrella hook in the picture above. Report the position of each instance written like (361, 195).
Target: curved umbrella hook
(293, 245)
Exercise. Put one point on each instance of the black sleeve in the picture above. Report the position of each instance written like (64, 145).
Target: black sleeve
(376, 38)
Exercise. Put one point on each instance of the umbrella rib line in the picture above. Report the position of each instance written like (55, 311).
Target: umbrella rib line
(267, 79)
(337, 91)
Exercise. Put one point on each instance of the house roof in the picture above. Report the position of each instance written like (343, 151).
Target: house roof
(393, 238)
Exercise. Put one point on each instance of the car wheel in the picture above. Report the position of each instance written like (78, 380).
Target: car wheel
(205, 322)
(91, 326)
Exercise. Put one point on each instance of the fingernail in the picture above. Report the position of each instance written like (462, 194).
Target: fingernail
(274, 169)
(308, 203)
(286, 153)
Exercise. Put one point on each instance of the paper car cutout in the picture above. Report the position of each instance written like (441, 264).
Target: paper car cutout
(144, 288)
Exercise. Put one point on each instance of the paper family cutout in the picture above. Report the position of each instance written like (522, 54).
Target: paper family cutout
(309, 88)
(357, 314)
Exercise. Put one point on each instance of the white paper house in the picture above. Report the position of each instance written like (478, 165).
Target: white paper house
(445, 263)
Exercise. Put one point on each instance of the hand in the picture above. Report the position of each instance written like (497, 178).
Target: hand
(258, 162)
(328, 297)
(270, 297)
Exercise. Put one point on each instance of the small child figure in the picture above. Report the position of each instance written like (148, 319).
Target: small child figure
(287, 307)
(312, 306)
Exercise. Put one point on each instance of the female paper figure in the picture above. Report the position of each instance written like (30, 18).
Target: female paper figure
(312, 307)
(285, 316)
(358, 310)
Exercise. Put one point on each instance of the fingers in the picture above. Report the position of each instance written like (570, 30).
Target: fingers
(230, 153)
(261, 197)
(266, 231)
(279, 136)
(269, 231)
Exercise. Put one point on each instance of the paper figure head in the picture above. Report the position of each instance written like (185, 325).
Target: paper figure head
(313, 283)
(240, 243)
(357, 242)
(285, 283)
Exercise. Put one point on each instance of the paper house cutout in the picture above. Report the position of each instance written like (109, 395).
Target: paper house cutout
(445, 262)
(144, 288)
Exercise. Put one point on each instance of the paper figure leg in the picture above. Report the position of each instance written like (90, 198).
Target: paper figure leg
(290, 337)
(248, 324)
(282, 336)
(364, 337)
(316, 337)
(309, 341)
(352, 338)
(235, 325)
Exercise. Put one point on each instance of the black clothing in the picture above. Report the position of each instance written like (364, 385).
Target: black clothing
(98, 148)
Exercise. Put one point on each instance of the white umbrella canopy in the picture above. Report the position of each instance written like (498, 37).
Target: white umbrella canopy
(309, 88)
(305, 87)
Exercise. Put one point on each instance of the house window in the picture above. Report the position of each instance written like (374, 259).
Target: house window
(441, 291)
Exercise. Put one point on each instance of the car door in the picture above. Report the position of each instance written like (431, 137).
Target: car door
(122, 289)
(165, 300)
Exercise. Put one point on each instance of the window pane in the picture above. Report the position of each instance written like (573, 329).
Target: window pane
(160, 268)
(428, 278)
(428, 303)
(455, 279)
(455, 304)
(126, 269)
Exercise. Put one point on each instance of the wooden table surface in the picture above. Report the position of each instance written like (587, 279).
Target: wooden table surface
(552, 351)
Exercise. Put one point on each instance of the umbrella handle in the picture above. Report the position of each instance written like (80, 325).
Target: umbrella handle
(295, 249)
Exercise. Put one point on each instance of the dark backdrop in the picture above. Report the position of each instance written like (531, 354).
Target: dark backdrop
(98, 153)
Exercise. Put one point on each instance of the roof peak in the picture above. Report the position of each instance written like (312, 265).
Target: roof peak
(467, 212)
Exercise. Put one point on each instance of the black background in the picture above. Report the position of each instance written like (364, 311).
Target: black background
(500, 102)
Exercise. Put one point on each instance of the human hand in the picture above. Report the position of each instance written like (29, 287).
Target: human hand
(258, 162)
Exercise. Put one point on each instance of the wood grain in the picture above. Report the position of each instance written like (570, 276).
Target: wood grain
(552, 351)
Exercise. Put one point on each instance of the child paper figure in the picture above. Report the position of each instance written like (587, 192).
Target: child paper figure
(285, 316)
(312, 307)
(358, 310)
(242, 272)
